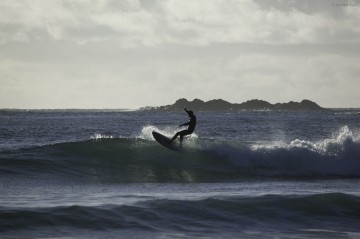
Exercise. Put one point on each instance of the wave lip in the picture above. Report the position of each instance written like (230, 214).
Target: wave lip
(338, 156)
(332, 146)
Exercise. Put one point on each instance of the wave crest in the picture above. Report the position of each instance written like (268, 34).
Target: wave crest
(141, 160)
(330, 146)
(335, 156)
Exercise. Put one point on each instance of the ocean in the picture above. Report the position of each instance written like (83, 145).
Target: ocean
(248, 174)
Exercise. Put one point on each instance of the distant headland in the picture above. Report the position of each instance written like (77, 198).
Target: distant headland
(222, 105)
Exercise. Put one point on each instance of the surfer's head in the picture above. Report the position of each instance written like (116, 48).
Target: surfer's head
(190, 113)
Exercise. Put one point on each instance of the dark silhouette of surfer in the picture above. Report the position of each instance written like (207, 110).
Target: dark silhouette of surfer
(189, 130)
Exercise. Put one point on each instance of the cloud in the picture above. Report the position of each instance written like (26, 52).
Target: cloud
(136, 23)
(108, 53)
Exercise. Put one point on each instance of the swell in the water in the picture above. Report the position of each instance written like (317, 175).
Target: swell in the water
(107, 159)
(223, 213)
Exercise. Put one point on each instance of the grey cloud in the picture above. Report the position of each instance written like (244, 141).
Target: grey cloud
(182, 22)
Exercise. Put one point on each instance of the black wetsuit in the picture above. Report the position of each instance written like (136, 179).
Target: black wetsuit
(189, 130)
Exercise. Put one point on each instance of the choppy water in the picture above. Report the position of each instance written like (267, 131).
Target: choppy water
(93, 174)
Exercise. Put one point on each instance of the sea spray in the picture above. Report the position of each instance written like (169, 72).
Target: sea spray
(98, 136)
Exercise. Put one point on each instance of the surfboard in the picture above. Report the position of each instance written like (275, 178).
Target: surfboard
(165, 141)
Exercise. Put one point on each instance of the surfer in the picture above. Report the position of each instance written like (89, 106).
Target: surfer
(189, 130)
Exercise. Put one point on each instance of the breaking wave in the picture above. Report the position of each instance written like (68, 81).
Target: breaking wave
(140, 159)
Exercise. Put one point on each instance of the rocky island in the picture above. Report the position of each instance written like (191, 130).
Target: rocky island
(222, 105)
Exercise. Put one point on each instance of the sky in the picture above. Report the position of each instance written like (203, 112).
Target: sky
(134, 53)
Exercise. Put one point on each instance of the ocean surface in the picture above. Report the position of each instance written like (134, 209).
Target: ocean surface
(100, 174)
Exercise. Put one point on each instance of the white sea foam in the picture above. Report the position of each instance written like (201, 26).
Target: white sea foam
(338, 155)
(330, 146)
(101, 136)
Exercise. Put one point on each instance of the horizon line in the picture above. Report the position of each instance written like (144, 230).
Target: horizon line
(142, 107)
(114, 109)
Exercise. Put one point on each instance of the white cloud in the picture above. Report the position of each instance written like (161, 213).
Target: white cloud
(199, 22)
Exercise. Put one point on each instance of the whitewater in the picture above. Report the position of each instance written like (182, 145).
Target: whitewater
(248, 174)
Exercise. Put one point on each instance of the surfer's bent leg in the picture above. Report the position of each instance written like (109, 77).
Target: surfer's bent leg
(181, 134)
(174, 137)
